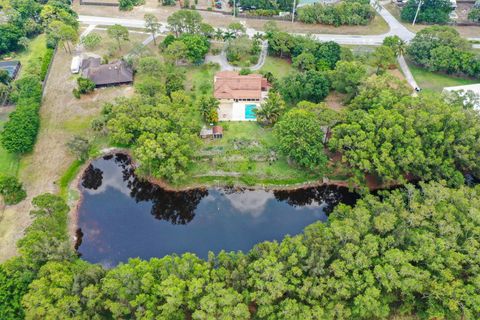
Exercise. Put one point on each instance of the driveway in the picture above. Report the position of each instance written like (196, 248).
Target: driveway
(222, 61)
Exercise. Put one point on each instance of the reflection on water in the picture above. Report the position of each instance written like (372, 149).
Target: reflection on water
(115, 217)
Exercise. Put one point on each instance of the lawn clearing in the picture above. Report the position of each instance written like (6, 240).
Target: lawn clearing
(31, 58)
(199, 79)
(277, 66)
(435, 82)
(8, 162)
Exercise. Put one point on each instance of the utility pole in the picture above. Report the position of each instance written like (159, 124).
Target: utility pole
(418, 10)
(234, 7)
(293, 10)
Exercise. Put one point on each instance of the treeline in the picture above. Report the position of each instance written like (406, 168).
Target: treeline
(349, 12)
(26, 19)
(412, 251)
(441, 48)
(20, 131)
(282, 5)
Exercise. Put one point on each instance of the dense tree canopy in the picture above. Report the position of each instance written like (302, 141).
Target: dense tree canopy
(311, 85)
(442, 49)
(412, 251)
(431, 11)
(162, 132)
(422, 136)
(351, 12)
(300, 137)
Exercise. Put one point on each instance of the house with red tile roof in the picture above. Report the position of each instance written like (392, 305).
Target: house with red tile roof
(239, 95)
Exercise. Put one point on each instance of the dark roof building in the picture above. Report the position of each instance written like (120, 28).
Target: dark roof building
(115, 73)
(12, 67)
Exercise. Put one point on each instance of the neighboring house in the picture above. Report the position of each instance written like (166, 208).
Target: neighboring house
(104, 75)
(239, 95)
(471, 94)
(12, 68)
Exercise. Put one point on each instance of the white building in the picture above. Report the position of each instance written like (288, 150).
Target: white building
(239, 95)
(471, 93)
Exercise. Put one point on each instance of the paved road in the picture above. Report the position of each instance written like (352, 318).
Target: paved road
(396, 28)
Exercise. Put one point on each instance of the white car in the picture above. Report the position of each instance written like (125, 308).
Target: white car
(76, 64)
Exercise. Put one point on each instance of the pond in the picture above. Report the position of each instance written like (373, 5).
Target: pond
(122, 216)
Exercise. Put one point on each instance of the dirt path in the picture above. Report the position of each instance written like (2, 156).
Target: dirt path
(62, 116)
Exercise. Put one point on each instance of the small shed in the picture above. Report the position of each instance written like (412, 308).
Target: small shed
(217, 132)
(206, 133)
(12, 67)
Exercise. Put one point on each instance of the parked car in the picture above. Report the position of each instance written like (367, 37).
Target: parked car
(76, 64)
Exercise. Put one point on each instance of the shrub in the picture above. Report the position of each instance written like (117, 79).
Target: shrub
(432, 11)
(20, 131)
(11, 190)
(474, 15)
(85, 85)
(47, 58)
(92, 40)
(245, 71)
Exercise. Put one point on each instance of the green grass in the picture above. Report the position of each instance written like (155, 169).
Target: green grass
(200, 79)
(68, 176)
(9, 163)
(241, 158)
(435, 82)
(31, 58)
(277, 66)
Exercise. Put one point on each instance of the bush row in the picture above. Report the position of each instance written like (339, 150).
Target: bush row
(20, 131)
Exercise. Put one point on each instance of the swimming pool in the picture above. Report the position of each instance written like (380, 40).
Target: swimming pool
(250, 112)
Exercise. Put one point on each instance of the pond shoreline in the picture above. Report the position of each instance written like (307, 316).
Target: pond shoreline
(75, 186)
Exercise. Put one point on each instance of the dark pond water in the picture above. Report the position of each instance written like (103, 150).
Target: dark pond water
(123, 217)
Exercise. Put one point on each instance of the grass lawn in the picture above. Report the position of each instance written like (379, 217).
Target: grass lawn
(277, 66)
(8, 162)
(200, 79)
(31, 58)
(435, 82)
(242, 158)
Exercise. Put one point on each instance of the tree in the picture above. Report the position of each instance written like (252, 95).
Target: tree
(396, 44)
(91, 40)
(237, 28)
(347, 77)
(311, 85)
(152, 25)
(304, 61)
(271, 109)
(185, 21)
(118, 33)
(4, 77)
(9, 37)
(79, 147)
(424, 137)
(197, 46)
(208, 107)
(301, 139)
(383, 58)
(431, 11)
(176, 51)
(11, 190)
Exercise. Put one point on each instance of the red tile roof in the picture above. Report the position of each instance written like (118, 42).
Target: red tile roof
(231, 85)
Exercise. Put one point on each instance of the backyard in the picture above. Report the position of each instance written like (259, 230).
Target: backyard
(435, 82)
(246, 156)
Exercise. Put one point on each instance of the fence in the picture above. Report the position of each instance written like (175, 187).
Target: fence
(95, 3)
(44, 83)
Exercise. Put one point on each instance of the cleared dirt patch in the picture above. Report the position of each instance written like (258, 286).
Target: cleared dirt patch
(62, 116)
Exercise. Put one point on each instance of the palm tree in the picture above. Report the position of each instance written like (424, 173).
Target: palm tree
(271, 109)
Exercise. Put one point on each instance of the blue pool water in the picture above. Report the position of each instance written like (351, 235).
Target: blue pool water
(250, 112)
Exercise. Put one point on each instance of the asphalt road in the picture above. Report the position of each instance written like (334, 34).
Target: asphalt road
(396, 28)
